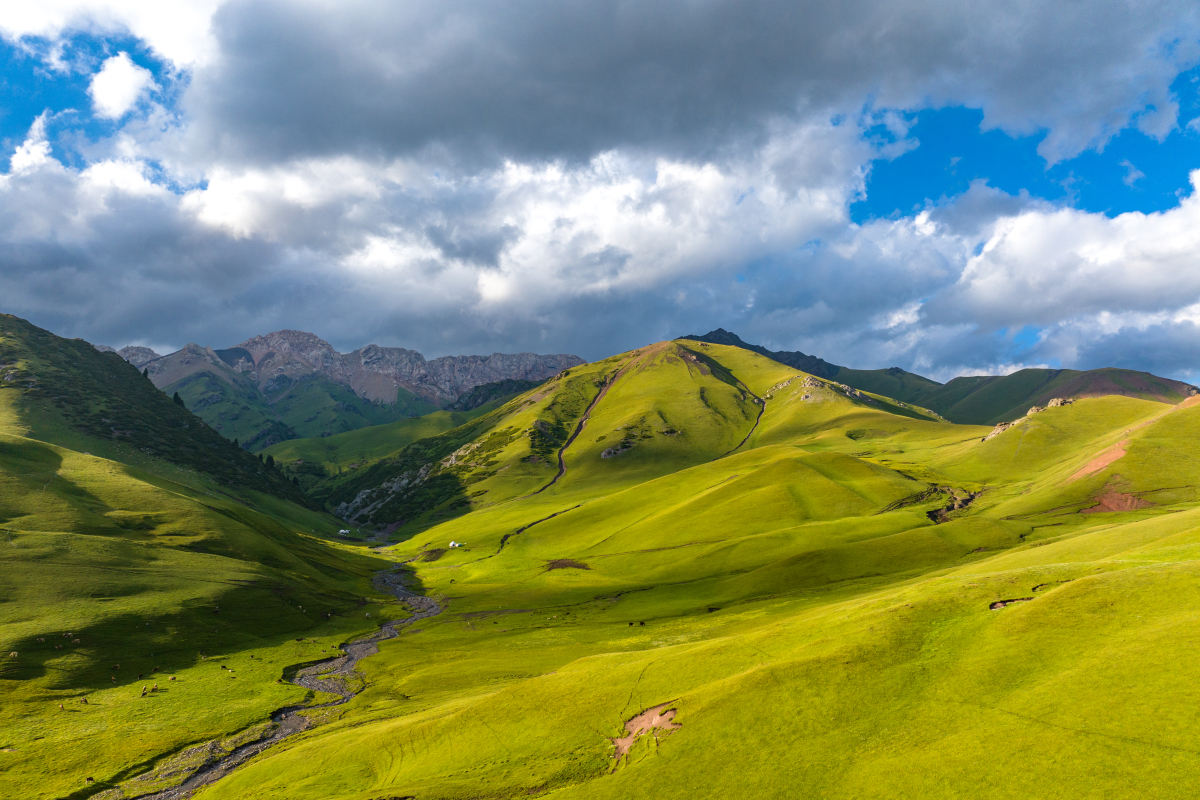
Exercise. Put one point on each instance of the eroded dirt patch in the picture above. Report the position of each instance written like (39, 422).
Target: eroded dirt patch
(1003, 603)
(1112, 500)
(649, 721)
(566, 563)
(1101, 461)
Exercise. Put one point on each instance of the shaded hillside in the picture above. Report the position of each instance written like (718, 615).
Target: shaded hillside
(260, 414)
(490, 392)
(979, 399)
(66, 392)
(313, 460)
(990, 399)
(805, 363)
(291, 384)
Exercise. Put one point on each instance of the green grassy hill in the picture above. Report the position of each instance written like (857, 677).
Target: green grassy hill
(139, 547)
(313, 460)
(820, 590)
(852, 603)
(977, 399)
(233, 404)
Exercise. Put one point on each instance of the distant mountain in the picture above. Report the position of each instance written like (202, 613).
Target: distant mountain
(487, 392)
(991, 399)
(291, 384)
(979, 399)
(806, 363)
(64, 392)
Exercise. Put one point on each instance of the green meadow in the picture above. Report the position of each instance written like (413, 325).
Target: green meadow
(828, 592)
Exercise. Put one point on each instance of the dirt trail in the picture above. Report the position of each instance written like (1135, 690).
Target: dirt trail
(288, 720)
(762, 407)
(583, 421)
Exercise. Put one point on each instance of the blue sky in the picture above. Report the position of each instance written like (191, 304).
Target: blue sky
(943, 195)
(1132, 172)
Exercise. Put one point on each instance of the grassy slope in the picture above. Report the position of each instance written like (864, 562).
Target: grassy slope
(132, 556)
(818, 634)
(65, 392)
(989, 399)
(312, 407)
(313, 459)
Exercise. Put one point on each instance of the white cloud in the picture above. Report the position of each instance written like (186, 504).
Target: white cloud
(177, 30)
(34, 151)
(118, 86)
(1043, 266)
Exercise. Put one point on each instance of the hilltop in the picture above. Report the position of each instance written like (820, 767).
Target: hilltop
(688, 570)
(701, 538)
(291, 384)
(978, 399)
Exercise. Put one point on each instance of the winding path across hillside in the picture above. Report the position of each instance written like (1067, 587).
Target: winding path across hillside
(327, 676)
(583, 421)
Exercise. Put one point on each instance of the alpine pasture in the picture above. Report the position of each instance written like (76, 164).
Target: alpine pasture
(759, 582)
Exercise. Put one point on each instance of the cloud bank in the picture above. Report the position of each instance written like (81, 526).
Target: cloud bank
(468, 177)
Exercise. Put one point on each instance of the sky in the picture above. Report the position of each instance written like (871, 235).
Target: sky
(960, 187)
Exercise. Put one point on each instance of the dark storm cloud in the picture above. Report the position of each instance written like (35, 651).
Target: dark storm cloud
(527, 79)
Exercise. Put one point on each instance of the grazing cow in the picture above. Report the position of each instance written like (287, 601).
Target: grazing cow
(155, 689)
(60, 706)
(84, 701)
(75, 641)
(154, 670)
(91, 780)
(116, 666)
(172, 677)
(58, 647)
(114, 678)
(42, 639)
(141, 675)
(13, 654)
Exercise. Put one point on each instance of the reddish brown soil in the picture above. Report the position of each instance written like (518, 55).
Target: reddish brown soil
(1112, 500)
(648, 721)
(1101, 461)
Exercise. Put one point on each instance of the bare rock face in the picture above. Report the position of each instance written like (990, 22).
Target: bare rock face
(375, 372)
(275, 361)
(138, 356)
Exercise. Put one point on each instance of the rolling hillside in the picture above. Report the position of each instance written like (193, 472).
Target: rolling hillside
(142, 549)
(693, 571)
(978, 399)
(975, 592)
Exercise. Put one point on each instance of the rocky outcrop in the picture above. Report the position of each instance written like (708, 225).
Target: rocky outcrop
(138, 356)
(376, 373)
(277, 360)
(1055, 402)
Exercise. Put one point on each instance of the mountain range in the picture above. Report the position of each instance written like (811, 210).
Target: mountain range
(977, 399)
(291, 384)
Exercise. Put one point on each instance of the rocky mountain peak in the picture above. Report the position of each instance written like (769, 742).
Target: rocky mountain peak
(288, 342)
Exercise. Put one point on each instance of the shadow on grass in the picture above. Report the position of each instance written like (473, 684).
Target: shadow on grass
(250, 616)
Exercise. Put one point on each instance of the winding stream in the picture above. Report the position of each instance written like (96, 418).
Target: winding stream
(323, 676)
